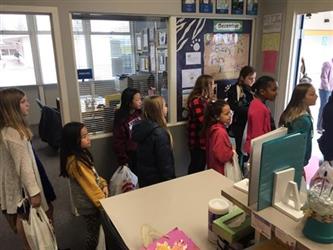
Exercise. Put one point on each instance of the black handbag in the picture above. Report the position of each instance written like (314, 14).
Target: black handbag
(23, 208)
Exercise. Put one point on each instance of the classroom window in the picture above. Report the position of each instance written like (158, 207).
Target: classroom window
(121, 52)
(26, 46)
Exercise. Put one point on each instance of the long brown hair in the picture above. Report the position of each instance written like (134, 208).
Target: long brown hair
(10, 111)
(201, 87)
(296, 106)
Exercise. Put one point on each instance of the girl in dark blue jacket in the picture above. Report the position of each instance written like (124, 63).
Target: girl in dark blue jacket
(155, 160)
(326, 140)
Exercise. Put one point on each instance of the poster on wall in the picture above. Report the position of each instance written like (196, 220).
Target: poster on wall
(237, 7)
(205, 6)
(226, 53)
(222, 6)
(210, 46)
(271, 42)
(272, 23)
(270, 52)
(252, 7)
(189, 6)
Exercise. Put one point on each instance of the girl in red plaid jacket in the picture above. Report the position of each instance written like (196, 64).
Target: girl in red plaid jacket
(202, 92)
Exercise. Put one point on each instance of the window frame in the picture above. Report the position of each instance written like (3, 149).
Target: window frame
(87, 33)
(32, 32)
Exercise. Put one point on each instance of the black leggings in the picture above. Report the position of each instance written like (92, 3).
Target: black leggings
(93, 223)
(238, 133)
(198, 160)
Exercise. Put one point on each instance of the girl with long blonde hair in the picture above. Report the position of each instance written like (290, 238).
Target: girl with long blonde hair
(19, 176)
(155, 154)
(297, 116)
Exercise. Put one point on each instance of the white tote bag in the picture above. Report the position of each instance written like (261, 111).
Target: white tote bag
(123, 180)
(101, 240)
(38, 231)
(232, 169)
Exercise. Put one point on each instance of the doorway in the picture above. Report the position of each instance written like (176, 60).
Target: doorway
(314, 48)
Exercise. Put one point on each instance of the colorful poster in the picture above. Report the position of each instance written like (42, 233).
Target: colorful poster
(225, 54)
(222, 6)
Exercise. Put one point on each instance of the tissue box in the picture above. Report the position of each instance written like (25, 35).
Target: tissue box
(175, 239)
(231, 227)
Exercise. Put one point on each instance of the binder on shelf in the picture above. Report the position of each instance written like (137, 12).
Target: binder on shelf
(255, 162)
(279, 154)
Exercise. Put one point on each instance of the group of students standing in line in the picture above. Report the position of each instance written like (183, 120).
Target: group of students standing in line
(211, 121)
(244, 116)
(143, 142)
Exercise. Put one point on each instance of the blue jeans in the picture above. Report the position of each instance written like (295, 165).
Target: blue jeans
(324, 96)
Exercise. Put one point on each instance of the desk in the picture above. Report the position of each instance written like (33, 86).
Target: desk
(182, 203)
(277, 220)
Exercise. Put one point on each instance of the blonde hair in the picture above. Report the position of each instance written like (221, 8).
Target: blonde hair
(296, 106)
(153, 110)
(10, 112)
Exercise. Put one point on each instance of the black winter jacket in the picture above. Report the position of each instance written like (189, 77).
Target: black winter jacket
(326, 140)
(241, 106)
(155, 160)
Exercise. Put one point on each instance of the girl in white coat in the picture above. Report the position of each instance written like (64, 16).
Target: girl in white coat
(19, 177)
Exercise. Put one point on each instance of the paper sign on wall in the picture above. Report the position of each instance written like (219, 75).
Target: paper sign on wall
(189, 76)
(272, 23)
(193, 58)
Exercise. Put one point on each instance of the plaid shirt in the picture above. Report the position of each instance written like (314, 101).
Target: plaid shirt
(195, 122)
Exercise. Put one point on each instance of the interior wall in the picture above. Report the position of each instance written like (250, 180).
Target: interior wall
(51, 93)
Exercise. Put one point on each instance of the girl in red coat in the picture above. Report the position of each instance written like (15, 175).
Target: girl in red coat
(259, 117)
(218, 146)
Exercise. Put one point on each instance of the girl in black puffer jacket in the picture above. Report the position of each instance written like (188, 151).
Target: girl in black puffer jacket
(155, 160)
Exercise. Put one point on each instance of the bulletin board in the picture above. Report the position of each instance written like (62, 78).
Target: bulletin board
(217, 47)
